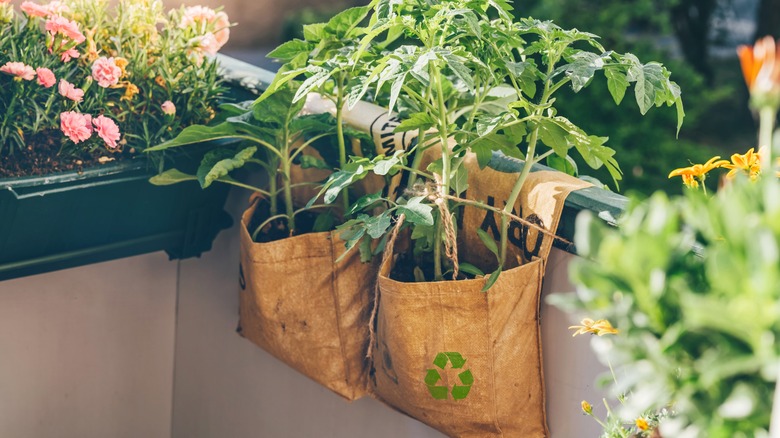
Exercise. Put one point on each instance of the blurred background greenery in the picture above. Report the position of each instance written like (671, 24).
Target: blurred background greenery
(695, 39)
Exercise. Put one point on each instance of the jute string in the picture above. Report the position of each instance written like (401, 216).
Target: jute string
(388, 253)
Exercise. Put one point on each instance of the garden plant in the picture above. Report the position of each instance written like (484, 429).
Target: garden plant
(691, 282)
(82, 81)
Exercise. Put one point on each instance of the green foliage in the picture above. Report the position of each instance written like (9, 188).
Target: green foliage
(717, 118)
(278, 136)
(692, 283)
(469, 70)
(161, 57)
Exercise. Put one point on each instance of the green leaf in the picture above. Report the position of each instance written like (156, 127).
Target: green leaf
(487, 240)
(583, 66)
(318, 77)
(339, 181)
(172, 176)
(460, 181)
(650, 81)
(365, 201)
(344, 22)
(311, 162)
(214, 164)
(351, 233)
(565, 164)
(458, 67)
(197, 134)
(483, 147)
(487, 124)
(554, 136)
(471, 269)
(492, 280)
(617, 84)
(416, 212)
(290, 50)
(416, 121)
(324, 222)
(384, 166)
(525, 73)
(314, 32)
(377, 226)
(680, 113)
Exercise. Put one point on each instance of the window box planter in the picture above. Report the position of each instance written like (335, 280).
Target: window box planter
(108, 212)
(111, 211)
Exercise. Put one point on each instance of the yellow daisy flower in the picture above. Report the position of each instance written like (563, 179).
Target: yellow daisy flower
(601, 327)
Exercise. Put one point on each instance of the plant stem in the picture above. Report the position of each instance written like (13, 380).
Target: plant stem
(510, 203)
(341, 140)
(288, 201)
(272, 185)
(286, 163)
(765, 130)
(529, 161)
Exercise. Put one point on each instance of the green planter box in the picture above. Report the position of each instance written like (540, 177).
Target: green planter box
(108, 212)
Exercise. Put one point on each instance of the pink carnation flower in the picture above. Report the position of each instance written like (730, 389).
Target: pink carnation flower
(197, 15)
(19, 69)
(168, 108)
(46, 77)
(76, 126)
(58, 24)
(106, 72)
(69, 54)
(208, 23)
(36, 10)
(70, 91)
(221, 28)
(208, 44)
(107, 130)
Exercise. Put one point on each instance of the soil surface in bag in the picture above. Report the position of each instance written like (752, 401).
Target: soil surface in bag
(43, 156)
(277, 229)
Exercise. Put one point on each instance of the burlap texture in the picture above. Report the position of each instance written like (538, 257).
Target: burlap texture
(497, 331)
(308, 311)
(540, 202)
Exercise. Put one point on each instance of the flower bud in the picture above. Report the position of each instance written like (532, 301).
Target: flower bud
(168, 108)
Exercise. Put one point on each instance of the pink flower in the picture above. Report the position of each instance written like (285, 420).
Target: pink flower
(69, 54)
(106, 72)
(70, 91)
(221, 28)
(208, 44)
(77, 126)
(168, 108)
(207, 22)
(58, 24)
(197, 15)
(19, 69)
(35, 10)
(107, 130)
(46, 77)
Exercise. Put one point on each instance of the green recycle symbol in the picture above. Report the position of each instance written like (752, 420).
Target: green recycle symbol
(433, 377)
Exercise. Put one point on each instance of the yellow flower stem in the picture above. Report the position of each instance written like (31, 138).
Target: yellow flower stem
(766, 127)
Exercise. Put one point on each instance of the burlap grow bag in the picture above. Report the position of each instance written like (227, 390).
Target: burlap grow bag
(308, 311)
(495, 332)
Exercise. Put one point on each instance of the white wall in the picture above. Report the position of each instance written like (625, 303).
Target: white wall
(227, 387)
(88, 352)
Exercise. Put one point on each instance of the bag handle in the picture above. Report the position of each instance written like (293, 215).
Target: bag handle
(386, 256)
